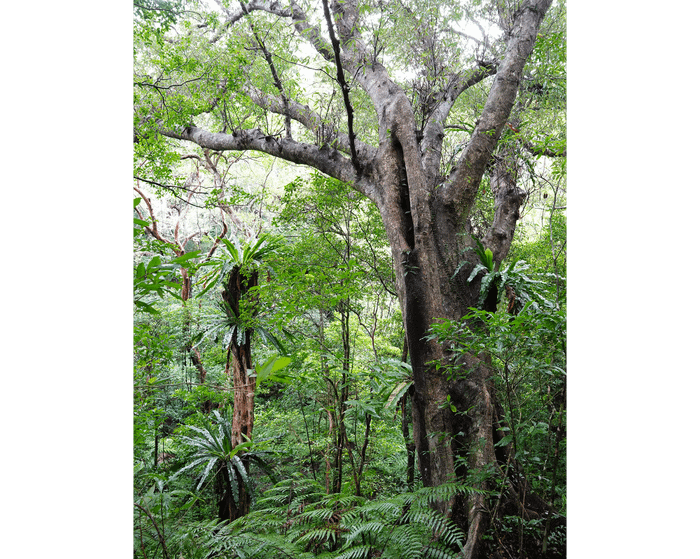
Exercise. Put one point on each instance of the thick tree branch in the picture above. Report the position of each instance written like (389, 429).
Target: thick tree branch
(434, 132)
(327, 160)
(459, 191)
(310, 119)
(347, 16)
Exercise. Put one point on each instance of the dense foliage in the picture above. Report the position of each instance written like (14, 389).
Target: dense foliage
(326, 299)
(243, 261)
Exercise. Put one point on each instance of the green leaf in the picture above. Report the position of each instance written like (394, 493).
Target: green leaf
(266, 371)
(485, 255)
(146, 307)
(488, 259)
(397, 393)
(185, 257)
(233, 250)
(478, 268)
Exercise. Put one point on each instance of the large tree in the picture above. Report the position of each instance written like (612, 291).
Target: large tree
(388, 75)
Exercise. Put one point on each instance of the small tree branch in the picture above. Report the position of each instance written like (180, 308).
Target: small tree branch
(154, 229)
(345, 88)
(160, 534)
(308, 32)
(535, 150)
(275, 76)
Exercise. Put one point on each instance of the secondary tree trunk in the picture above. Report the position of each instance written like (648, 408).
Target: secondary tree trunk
(238, 362)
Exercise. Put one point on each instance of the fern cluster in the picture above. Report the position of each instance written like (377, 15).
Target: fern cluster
(296, 517)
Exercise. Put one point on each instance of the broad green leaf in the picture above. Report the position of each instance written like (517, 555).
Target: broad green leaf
(397, 393)
(478, 268)
(186, 256)
(489, 259)
(232, 250)
(266, 371)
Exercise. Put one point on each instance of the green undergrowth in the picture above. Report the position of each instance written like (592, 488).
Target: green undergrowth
(296, 518)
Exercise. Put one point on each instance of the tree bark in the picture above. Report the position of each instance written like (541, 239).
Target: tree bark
(405, 414)
(238, 362)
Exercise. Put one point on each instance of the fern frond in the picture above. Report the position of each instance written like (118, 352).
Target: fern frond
(359, 552)
(444, 492)
(207, 469)
(290, 491)
(477, 268)
(344, 501)
(372, 529)
(301, 519)
(388, 508)
(409, 540)
(318, 535)
(317, 515)
(227, 540)
(264, 546)
(433, 552)
(436, 522)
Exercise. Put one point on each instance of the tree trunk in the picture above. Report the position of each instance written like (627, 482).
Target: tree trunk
(238, 363)
(341, 393)
(226, 506)
(340, 435)
(408, 441)
(407, 438)
(426, 217)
